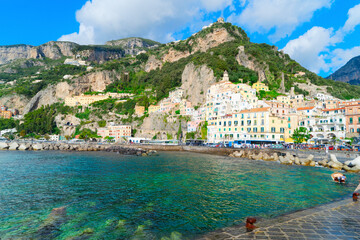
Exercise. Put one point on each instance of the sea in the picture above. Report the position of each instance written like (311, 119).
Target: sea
(172, 195)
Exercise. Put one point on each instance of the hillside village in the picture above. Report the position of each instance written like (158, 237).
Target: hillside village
(235, 112)
(216, 86)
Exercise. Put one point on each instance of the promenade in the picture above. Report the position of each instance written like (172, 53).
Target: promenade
(338, 220)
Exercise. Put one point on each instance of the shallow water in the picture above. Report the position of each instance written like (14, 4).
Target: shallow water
(110, 196)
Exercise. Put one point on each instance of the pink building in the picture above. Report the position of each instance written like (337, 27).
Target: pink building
(192, 126)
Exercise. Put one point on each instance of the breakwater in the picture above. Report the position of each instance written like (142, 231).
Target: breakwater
(26, 146)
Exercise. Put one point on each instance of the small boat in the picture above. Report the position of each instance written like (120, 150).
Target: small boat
(338, 177)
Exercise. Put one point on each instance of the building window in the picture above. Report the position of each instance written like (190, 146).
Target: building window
(282, 130)
(255, 122)
(262, 129)
(273, 129)
(249, 122)
(229, 123)
(236, 123)
(358, 130)
(219, 123)
(255, 130)
(262, 121)
(351, 120)
(249, 130)
(224, 123)
(242, 123)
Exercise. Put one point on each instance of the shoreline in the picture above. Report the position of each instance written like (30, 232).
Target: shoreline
(284, 156)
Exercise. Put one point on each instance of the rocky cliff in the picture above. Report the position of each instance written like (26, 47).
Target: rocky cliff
(349, 73)
(134, 45)
(96, 81)
(195, 81)
(52, 50)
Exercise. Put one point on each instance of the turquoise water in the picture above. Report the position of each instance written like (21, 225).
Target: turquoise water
(109, 196)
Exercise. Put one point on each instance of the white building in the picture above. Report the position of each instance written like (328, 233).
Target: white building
(327, 127)
(323, 97)
(54, 138)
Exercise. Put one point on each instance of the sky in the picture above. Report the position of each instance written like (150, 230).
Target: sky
(322, 35)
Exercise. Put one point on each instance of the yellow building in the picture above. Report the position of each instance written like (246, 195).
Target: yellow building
(84, 100)
(252, 124)
(260, 86)
(154, 108)
(139, 110)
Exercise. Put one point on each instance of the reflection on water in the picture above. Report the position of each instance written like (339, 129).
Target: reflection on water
(109, 196)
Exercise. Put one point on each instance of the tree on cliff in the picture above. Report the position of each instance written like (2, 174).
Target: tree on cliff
(301, 135)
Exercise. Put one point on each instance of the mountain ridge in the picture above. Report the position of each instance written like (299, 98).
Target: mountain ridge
(349, 73)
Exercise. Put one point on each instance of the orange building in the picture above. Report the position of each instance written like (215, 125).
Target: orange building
(352, 114)
(6, 114)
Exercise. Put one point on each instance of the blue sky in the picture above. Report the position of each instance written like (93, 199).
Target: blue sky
(320, 34)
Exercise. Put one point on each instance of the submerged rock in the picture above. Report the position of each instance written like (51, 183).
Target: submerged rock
(50, 228)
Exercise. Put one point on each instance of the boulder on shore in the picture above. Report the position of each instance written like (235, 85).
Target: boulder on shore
(334, 163)
(355, 162)
(13, 146)
(37, 147)
(3, 146)
(24, 147)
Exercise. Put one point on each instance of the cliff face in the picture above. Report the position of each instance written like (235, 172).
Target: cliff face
(349, 73)
(52, 50)
(134, 45)
(195, 81)
(245, 61)
(9, 53)
(100, 54)
(96, 81)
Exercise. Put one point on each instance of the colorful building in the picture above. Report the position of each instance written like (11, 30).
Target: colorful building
(118, 132)
(259, 86)
(154, 108)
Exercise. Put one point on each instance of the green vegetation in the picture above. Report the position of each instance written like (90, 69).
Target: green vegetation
(190, 135)
(301, 135)
(40, 121)
(7, 123)
(83, 115)
(102, 123)
(267, 95)
(169, 136)
(87, 134)
(204, 130)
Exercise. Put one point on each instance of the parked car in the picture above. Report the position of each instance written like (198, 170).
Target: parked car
(356, 148)
(331, 147)
(316, 147)
(344, 148)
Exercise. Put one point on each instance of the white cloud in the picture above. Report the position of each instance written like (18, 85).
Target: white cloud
(311, 49)
(283, 16)
(353, 19)
(339, 57)
(216, 5)
(316, 49)
(103, 20)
